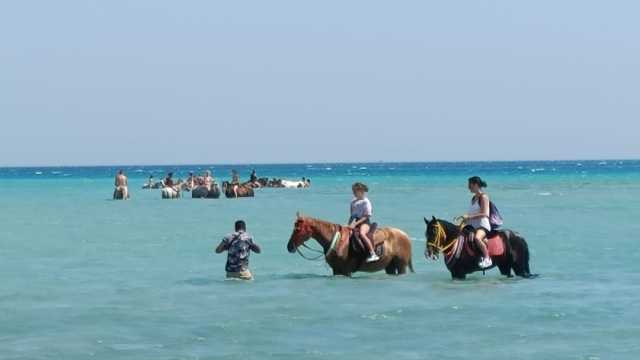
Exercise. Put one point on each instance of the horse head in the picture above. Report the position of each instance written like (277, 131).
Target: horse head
(302, 231)
(436, 235)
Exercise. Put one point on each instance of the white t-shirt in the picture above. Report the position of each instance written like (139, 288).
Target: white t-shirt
(361, 208)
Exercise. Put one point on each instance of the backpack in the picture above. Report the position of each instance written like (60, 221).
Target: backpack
(495, 218)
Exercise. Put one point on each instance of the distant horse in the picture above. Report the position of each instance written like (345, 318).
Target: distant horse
(174, 192)
(393, 247)
(118, 195)
(170, 193)
(293, 184)
(156, 185)
(243, 190)
(508, 250)
(202, 192)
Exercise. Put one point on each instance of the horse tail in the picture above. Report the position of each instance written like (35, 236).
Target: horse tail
(403, 235)
(521, 252)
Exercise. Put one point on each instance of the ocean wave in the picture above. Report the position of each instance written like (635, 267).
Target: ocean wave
(545, 194)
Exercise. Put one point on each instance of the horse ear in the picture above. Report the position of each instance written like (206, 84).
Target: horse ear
(426, 221)
(433, 218)
(298, 215)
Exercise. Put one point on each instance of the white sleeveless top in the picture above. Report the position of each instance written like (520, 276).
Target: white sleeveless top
(482, 222)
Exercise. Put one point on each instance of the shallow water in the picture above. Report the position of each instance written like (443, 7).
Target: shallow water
(84, 277)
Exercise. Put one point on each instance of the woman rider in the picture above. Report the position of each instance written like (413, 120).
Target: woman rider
(478, 217)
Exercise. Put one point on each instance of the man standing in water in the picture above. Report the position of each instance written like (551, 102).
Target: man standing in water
(122, 185)
(238, 246)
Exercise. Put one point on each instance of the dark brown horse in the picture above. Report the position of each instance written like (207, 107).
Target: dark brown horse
(508, 250)
(244, 190)
(118, 194)
(202, 192)
(394, 246)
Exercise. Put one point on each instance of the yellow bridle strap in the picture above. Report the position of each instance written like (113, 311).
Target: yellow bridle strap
(441, 237)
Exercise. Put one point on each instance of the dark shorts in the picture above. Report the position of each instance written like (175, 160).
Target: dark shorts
(368, 222)
(486, 231)
(470, 229)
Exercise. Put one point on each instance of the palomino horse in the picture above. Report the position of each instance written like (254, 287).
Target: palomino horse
(244, 190)
(174, 192)
(394, 244)
(508, 250)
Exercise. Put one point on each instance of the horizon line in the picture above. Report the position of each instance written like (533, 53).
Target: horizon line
(316, 163)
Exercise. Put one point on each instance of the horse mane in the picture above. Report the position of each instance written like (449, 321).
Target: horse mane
(323, 225)
(450, 228)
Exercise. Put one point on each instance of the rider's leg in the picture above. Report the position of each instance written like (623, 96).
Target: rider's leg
(481, 234)
(364, 235)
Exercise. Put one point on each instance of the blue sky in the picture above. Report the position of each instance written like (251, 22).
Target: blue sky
(156, 82)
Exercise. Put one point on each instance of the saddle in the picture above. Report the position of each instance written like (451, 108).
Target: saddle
(494, 242)
(350, 242)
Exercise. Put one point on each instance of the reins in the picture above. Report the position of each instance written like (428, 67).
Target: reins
(441, 238)
(320, 252)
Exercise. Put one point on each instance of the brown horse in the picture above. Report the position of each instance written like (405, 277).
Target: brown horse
(244, 190)
(394, 244)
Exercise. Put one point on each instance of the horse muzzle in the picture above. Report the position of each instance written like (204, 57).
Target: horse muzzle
(291, 248)
(429, 255)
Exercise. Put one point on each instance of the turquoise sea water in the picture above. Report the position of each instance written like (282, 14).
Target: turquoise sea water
(84, 277)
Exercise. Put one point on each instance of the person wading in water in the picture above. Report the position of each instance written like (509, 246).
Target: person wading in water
(238, 246)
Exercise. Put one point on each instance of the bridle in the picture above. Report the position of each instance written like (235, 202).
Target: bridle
(440, 239)
(320, 253)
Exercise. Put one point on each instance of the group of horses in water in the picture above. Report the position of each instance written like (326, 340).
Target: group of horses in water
(214, 191)
(345, 254)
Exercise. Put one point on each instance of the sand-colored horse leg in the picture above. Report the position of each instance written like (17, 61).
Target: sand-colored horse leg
(403, 253)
